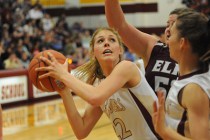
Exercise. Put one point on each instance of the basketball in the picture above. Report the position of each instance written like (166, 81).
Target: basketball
(47, 84)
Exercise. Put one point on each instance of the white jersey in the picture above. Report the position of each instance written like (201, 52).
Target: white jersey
(176, 115)
(130, 112)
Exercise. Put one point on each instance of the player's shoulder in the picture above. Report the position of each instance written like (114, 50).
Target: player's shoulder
(190, 98)
(126, 63)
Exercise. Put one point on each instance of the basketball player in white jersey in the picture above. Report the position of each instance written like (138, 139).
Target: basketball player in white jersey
(122, 91)
(187, 105)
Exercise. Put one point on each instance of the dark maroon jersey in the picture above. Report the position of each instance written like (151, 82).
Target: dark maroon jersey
(161, 70)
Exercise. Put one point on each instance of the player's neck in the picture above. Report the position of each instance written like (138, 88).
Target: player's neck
(186, 69)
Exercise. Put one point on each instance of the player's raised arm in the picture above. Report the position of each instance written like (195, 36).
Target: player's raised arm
(139, 42)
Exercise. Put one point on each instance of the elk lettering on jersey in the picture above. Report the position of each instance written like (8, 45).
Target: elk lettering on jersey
(161, 70)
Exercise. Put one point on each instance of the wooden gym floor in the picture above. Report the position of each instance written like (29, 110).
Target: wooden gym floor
(48, 121)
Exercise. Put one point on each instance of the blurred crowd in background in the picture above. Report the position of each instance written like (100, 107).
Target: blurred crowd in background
(27, 29)
(200, 5)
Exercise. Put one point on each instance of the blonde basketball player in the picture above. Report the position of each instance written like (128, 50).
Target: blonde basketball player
(122, 91)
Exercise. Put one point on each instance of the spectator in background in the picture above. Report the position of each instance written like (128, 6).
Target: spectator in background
(27, 43)
(26, 6)
(6, 15)
(21, 48)
(39, 35)
(61, 26)
(7, 51)
(25, 59)
(13, 62)
(6, 37)
(18, 32)
(85, 38)
(18, 16)
(47, 22)
(28, 28)
(77, 27)
(48, 38)
(70, 46)
(1, 61)
(36, 49)
(128, 55)
(57, 43)
(35, 13)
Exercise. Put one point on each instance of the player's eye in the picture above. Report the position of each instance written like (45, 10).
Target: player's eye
(100, 40)
(113, 40)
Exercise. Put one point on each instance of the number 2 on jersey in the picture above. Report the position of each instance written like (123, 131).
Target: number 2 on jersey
(124, 133)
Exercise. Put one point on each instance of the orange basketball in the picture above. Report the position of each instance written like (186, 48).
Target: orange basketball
(48, 84)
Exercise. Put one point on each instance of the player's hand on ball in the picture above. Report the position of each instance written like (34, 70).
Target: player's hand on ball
(54, 68)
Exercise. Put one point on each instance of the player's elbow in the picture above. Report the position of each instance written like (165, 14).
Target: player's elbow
(81, 132)
(95, 100)
(81, 135)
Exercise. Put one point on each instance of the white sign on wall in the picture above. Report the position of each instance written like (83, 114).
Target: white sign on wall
(13, 89)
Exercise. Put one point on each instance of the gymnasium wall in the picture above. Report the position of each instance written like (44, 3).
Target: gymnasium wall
(144, 14)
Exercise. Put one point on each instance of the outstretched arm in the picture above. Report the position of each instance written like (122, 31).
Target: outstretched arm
(93, 95)
(81, 125)
(139, 42)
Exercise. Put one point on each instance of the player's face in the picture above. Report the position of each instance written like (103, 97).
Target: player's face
(170, 22)
(174, 43)
(106, 47)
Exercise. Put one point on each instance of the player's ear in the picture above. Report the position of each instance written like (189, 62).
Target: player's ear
(184, 43)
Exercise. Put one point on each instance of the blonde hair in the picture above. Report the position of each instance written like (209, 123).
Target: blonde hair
(91, 69)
